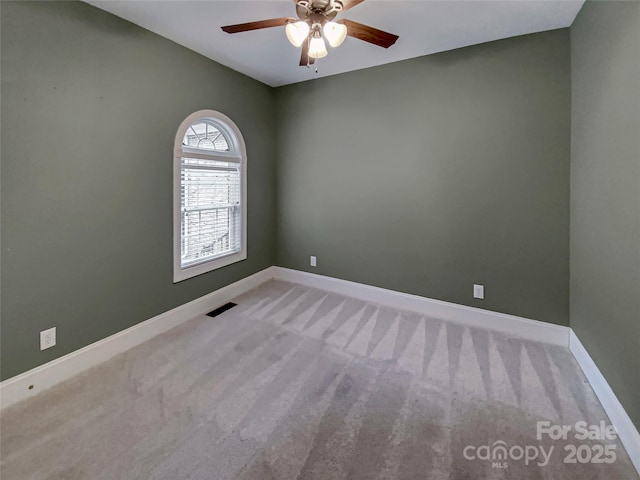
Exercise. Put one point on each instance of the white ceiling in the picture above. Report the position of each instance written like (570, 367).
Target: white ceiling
(424, 27)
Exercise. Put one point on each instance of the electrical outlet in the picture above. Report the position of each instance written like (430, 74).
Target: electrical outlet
(478, 291)
(47, 338)
(313, 260)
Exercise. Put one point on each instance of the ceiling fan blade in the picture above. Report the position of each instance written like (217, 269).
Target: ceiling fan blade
(369, 34)
(347, 4)
(304, 56)
(305, 59)
(246, 27)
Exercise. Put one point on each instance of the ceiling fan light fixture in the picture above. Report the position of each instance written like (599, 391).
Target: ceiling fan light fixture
(297, 32)
(335, 33)
(315, 26)
(317, 48)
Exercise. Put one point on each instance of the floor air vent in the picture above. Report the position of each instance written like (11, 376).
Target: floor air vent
(222, 309)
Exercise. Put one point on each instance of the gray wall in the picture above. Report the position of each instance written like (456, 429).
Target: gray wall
(431, 174)
(90, 108)
(605, 192)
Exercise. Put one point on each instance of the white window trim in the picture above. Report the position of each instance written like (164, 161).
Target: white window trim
(180, 273)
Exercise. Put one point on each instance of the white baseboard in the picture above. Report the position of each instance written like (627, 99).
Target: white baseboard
(627, 431)
(45, 376)
(508, 324)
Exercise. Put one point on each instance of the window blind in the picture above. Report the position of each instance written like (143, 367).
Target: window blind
(210, 210)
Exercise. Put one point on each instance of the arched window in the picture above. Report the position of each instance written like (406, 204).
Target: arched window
(209, 202)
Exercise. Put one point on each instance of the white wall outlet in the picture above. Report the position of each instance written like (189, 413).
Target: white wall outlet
(47, 338)
(313, 260)
(478, 291)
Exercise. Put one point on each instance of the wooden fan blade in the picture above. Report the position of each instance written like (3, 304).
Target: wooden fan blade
(305, 59)
(246, 27)
(304, 56)
(347, 4)
(369, 34)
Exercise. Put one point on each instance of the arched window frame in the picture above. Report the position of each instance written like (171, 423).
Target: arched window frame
(237, 154)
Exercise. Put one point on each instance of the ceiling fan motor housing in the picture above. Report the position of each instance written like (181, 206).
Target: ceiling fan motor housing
(318, 11)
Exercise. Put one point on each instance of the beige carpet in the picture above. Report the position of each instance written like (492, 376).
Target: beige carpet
(297, 383)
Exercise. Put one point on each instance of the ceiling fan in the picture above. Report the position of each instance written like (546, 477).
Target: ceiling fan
(316, 23)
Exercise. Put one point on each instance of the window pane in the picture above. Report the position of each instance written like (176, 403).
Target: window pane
(210, 210)
(205, 136)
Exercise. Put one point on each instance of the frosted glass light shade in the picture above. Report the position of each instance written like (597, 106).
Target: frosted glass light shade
(335, 33)
(297, 32)
(317, 49)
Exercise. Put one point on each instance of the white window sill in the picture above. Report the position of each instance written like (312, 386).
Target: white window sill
(180, 274)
